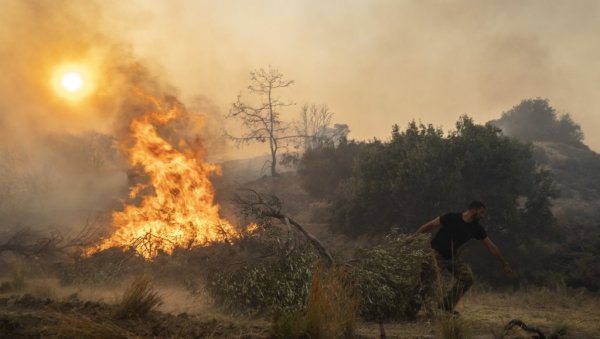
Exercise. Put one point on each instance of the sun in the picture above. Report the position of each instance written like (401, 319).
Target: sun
(72, 81)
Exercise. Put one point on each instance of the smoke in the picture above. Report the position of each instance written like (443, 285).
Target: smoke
(381, 62)
(375, 63)
(62, 161)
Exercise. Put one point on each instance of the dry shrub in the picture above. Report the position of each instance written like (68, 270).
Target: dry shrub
(332, 305)
(79, 326)
(16, 282)
(452, 327)
(138, 299)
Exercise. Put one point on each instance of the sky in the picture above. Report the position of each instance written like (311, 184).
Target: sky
(374, 63)
(377, 63)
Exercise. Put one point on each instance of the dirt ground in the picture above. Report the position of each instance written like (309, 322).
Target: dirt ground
(485, 314)
(89, 314)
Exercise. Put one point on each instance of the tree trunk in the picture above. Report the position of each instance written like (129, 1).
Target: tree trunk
(273, 164)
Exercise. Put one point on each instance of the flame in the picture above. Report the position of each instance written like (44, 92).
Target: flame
(180, 210)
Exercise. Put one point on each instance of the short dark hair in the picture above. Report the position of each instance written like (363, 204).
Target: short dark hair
(476, 204)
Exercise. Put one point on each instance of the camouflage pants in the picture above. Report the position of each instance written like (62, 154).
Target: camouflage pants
(460, 271)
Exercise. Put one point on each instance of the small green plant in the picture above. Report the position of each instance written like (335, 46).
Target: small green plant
(332, 305)
(138, 300)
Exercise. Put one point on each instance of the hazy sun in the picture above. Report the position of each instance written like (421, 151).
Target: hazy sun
(72, 81)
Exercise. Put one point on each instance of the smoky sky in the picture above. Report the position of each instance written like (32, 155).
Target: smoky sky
(376, 63)
(373, 63)
(62, 162)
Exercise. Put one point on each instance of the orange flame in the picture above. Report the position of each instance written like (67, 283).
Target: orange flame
(181, 211)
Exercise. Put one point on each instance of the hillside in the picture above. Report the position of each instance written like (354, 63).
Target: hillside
(576, 172)
(559, 147)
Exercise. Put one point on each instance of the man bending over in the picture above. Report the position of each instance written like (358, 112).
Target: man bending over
(457, 229)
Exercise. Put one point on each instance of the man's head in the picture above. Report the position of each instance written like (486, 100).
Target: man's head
(477, 209)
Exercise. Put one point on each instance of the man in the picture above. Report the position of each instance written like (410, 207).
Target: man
(457, 229)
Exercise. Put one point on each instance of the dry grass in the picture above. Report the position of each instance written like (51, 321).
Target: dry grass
(138, 300)
(551, 312)
(487, 313)
(332, 305)
(452, 327)
(79, 326)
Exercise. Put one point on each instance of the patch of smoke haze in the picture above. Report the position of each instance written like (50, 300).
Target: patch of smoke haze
(380, 62)
(62, 163)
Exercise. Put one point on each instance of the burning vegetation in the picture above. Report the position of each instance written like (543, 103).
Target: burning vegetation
(176, 206)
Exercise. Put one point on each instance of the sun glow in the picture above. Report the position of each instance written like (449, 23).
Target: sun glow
(72, 82)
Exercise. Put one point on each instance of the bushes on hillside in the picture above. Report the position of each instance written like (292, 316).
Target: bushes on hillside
(420, 173)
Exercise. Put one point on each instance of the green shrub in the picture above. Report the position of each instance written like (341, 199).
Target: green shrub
(279, 283)
(388, 278)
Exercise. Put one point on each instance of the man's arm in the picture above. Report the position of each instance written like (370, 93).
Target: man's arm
(433, 224)
(496, 252)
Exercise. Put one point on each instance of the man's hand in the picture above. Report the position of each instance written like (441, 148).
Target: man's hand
(496, 252)
(508, 270)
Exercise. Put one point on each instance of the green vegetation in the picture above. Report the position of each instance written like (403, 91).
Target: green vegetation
(374, 187)
(388, 278)
(535, 120)
(277, 283)
(421, 173)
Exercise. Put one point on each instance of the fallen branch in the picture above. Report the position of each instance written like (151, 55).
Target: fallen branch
(260, 206)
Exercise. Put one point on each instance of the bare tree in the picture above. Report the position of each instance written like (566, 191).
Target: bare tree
(315, 127)
(262, 122)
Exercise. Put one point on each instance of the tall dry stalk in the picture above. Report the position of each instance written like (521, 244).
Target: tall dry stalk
(332, 305)
(138, 299)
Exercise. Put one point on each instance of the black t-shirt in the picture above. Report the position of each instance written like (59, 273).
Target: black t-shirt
(454, 233)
